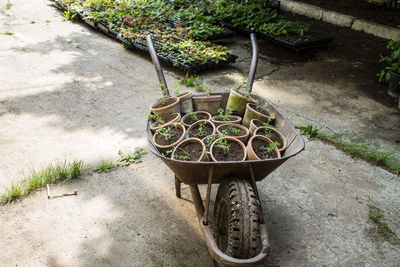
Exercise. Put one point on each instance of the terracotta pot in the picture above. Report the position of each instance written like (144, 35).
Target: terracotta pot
(197, 123)
(282, 147)
(164, 148)
(230, 139)
(184, 118)
(251, 155)
(175, 117)
(217, 120)
(254, 124)
(207, 103)
(237, 102)
(190, 140)
(162, 112)
(185, 102)
(252, 113)
(242, 138)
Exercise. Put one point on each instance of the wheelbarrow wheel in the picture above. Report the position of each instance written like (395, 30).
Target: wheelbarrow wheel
(237, 215)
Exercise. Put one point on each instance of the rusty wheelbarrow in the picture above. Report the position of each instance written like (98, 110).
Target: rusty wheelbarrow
(238, 236)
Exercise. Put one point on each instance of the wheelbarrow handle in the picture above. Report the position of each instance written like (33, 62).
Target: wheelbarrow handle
(253, 65)
(156, 62)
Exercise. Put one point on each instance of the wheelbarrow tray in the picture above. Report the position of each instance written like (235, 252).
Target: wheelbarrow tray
(194, 173)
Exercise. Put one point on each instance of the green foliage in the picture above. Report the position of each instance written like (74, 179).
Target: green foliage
(135, 157)
(8, 5)
(9, 33)
(223, 144)
(193, 116)
(376, 215)
(181, 154)
(200, 130)
(166, 132)
(309, 131)
(69, 16)
(234, 130)
(266, 150)
(104, 166)
(393, 61)
(191, 80)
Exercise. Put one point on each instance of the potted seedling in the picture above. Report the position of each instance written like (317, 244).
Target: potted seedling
(165, 106)
(261, 147)
(195, 116)
(235, 130)
(207, 102)
(185, 99)
(391, 73)
(192, 149)
(222, 118)
(201, 129)
(273, 134)
(228, 149)
(255, 124)
(159, 122)
(257, 111)
(168, 136)
(237, 101)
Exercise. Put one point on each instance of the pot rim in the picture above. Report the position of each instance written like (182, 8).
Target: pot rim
(176, 116)
(173, 144)
(165, 107)
(250, 145)
(187, 115)
(237, 126)
(275, 130)
(255, 111)
(200, 121)
(191, 140)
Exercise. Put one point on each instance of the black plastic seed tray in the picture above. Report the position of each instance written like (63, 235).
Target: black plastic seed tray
(318, 39)
(240, 30)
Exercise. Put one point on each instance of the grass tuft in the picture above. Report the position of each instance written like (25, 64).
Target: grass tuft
(104, 166)
(376, 215)
(61, 171)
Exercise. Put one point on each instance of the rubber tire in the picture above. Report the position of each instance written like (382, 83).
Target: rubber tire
(237, 212)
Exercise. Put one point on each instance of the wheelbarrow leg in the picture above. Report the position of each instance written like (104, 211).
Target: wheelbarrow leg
(178, 187)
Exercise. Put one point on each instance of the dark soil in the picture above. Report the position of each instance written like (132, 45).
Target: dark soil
(258, 145)
(260, 109)
(260, 123)
(235, 152)
(163, 121)
(271, 135)
(221, 118)
(361, 9)
(175, 132)
(207, 128)
(351, 60)
(192, 150)
(200, 116)
(229, 128)
(161, 104)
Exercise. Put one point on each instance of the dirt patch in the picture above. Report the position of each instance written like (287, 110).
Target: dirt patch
(361, 9)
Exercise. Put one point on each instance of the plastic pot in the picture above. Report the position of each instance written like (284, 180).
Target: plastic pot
(282, 141)
(251, 155)
(242, 138)
(185, 118)
(217, 120)
(185, 102)
(237, 103)
(251, 113)
(394, 84)
(175, 117)
(164, 111)
(207, 103)
(191, 140)
(164, 148)
(230, 139)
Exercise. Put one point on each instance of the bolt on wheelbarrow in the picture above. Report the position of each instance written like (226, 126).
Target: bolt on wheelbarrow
(239, 235)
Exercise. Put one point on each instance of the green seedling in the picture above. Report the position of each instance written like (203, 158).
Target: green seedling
(166, 132)
(376, 215)
(266, 150)
(185, 155)
(234, 130)
(9, 33)
(176, 88)
(69, 16)
(223, 144)
(193, 116)
(104, 166)
(309, 131)
(224, 117)
(200, 131)
(191, 80)
(8, 5)
(134, 157)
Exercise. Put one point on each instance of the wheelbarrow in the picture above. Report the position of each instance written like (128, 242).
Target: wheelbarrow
(238, 234)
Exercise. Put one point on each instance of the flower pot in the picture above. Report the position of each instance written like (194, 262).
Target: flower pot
(185, 102)
(237, 103)
(192, 149)
(394, 84)
(207, 103)
(255, 151)
(237, 150)
(163, 144)
(273, 134)
(252, 113)
(175, 117)
(188, 119)
(218, 120)
(242, 135)
(207, 129)
(170, 106)
(254, 124)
